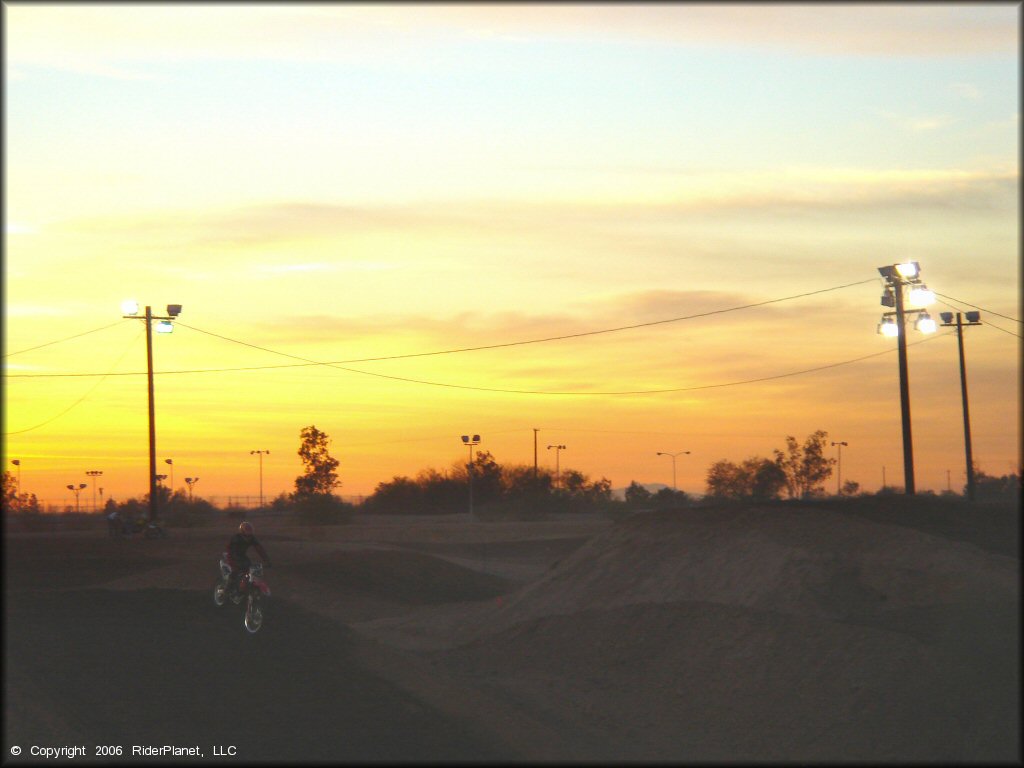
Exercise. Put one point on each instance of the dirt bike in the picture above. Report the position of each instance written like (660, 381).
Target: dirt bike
(251, 589)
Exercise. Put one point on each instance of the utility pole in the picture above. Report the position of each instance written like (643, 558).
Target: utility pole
(261, 472)
(839, 473)
(973, 318)
(94, 473)
(131, 310)
(558, 470)
(535, 431)
(908, 441)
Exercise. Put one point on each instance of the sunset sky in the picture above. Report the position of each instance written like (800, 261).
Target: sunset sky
(330, 183)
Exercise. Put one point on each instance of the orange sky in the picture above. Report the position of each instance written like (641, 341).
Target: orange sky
(462, 176)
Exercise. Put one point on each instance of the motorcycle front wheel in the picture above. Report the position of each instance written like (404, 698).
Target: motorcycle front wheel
(220, 594)
(254, 614)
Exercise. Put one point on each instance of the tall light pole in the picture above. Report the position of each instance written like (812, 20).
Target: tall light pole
(94, 473)
(558, 469)
(131, 311)
(171, 463)
(673, 455)
(475, 440)
(190, 481)
(839, 472)
(17, 463)
(260, 454)
(535, 431)
(973, 318)
(898, 277)
(76, 490)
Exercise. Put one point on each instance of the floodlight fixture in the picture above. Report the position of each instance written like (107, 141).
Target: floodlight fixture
(888, 298)
(925, 323)
(174, 310)
(888, 327)
(973, 317)
(165, 326)
(908, 269)
(130, 307)
(947, 317)
(921, 296)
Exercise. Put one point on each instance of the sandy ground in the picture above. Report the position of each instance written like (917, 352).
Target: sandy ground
(744, 634)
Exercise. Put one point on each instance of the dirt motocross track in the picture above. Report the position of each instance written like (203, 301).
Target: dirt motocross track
(781, 633)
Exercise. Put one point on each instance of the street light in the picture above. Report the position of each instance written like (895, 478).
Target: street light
(190, 481)
(558, 469)
(130, 308)
(898, 277)
(171, 463)
(94, 473)
(673, 455)
(261, 472)
(839, 473)
(76, 490)
(973, 318)
(470, 442)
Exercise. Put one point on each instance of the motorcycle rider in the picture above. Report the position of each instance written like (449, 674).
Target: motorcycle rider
(237, 556)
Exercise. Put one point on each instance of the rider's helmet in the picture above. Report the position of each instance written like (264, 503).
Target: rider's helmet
(246, 529)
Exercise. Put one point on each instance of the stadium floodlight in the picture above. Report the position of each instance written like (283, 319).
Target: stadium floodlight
(947, 317)
(130, 307)
(164, 326)
(888, 298)
(888, 327)
(925, 323)
(921, 296)
(973, 317)
(908, 270)
(174, 310)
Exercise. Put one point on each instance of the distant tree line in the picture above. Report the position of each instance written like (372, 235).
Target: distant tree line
(515, 490)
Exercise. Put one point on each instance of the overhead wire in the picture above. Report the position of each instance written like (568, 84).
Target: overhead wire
(335, 363)
(988, 323)
(989, 311)
(61, 341)
(86, 395)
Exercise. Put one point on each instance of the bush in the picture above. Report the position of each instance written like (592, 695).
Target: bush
(322, 509)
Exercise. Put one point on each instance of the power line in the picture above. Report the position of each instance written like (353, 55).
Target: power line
(988, 323)
(989, 311)
(83, 397)
(306, 363)
(549, 338)
(545, 392)
(60, 341)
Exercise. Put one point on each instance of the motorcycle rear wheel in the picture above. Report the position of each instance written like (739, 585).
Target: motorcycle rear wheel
(254, 614)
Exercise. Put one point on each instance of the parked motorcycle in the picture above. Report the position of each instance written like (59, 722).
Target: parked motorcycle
(251, 589)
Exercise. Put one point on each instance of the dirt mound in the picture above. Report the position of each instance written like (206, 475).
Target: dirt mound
(808, 562)
(154, 667)
(701, 681)
(400, 576)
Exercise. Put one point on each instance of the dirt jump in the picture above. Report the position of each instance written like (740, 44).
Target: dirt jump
(772, 633)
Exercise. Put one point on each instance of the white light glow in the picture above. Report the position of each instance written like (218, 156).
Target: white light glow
(164, 326)
(925, 324)
(920, 296)
(907, 270)
(130, 307)
(888, 327)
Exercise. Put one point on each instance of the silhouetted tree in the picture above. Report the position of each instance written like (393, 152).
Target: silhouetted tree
(18, 503)
(319, 477)
(637, 495)
(806, 468)
(756, 479)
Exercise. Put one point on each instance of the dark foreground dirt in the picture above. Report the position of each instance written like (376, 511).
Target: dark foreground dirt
(775, 634)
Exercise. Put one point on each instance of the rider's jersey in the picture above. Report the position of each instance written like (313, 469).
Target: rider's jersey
(239, 545)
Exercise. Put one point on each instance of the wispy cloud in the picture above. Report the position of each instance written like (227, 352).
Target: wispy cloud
(118, 42)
